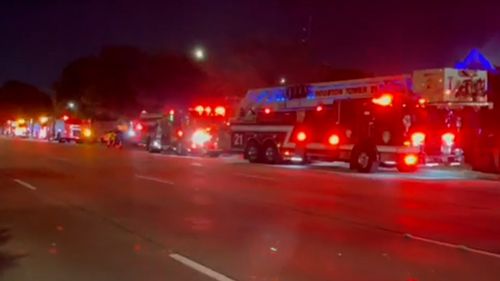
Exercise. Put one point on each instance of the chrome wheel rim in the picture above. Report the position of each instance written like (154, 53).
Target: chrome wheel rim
(363, 160)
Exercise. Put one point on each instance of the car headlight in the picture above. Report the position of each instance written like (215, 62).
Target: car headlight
(157, 143)
(87, 133)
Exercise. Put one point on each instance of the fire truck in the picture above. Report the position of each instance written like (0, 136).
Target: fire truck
(200, 130)
(71, 129)
(399, 121)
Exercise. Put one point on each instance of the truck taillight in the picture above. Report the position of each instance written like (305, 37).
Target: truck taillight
(448, 139)
(418, 139)
(334, 139)
(301, 136)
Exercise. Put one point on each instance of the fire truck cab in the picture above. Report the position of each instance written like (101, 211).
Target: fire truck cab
(399, 121)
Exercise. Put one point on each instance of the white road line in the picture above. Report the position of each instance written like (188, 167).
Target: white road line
(62, 159)
(173, 156)
(25, 184)
(255, 177)
(154, 179)
(454, 246)
(200, 268)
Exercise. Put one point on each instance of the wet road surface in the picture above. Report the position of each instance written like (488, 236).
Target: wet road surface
(83, 212)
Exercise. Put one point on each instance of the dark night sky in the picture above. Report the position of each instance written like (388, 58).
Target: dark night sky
(38, 38)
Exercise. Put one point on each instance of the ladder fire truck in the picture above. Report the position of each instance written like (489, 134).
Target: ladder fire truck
(400, 121)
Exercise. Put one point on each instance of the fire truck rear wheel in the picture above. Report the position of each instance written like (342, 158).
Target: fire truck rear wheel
(364, 159)
(270, 153)
(252, 152)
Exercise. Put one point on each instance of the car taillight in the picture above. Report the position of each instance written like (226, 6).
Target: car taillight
(301, 136)
(418, 139)
(448, 139)
(180, 133)
(334, 139)
(411, 160)
(267, 110)
(319, 108)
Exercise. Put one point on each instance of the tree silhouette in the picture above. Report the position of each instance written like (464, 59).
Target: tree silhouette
(122, 80)
(22, 99)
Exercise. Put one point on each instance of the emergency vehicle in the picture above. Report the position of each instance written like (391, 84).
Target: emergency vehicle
(71, 129)
(198, 130)
(401, 120)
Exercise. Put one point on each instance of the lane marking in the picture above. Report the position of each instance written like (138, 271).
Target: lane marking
(451, 245)
(255, 177)
(196, 164)
(154, 179)
(25, 184)
(62, 159)
(173, 156)
(200, 268)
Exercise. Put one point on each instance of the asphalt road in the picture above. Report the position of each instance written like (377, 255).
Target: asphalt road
(81, 212)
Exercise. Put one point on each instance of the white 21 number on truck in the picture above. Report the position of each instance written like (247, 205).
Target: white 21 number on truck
(237, 139)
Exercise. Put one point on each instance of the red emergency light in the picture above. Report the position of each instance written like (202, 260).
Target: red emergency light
(220, 110)
(448, 139)
(65, 117)
(138, 127)
(334, 139)
(199, 109)
(301, 136)
(383, 100)
(411, 160)
(418, 139)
